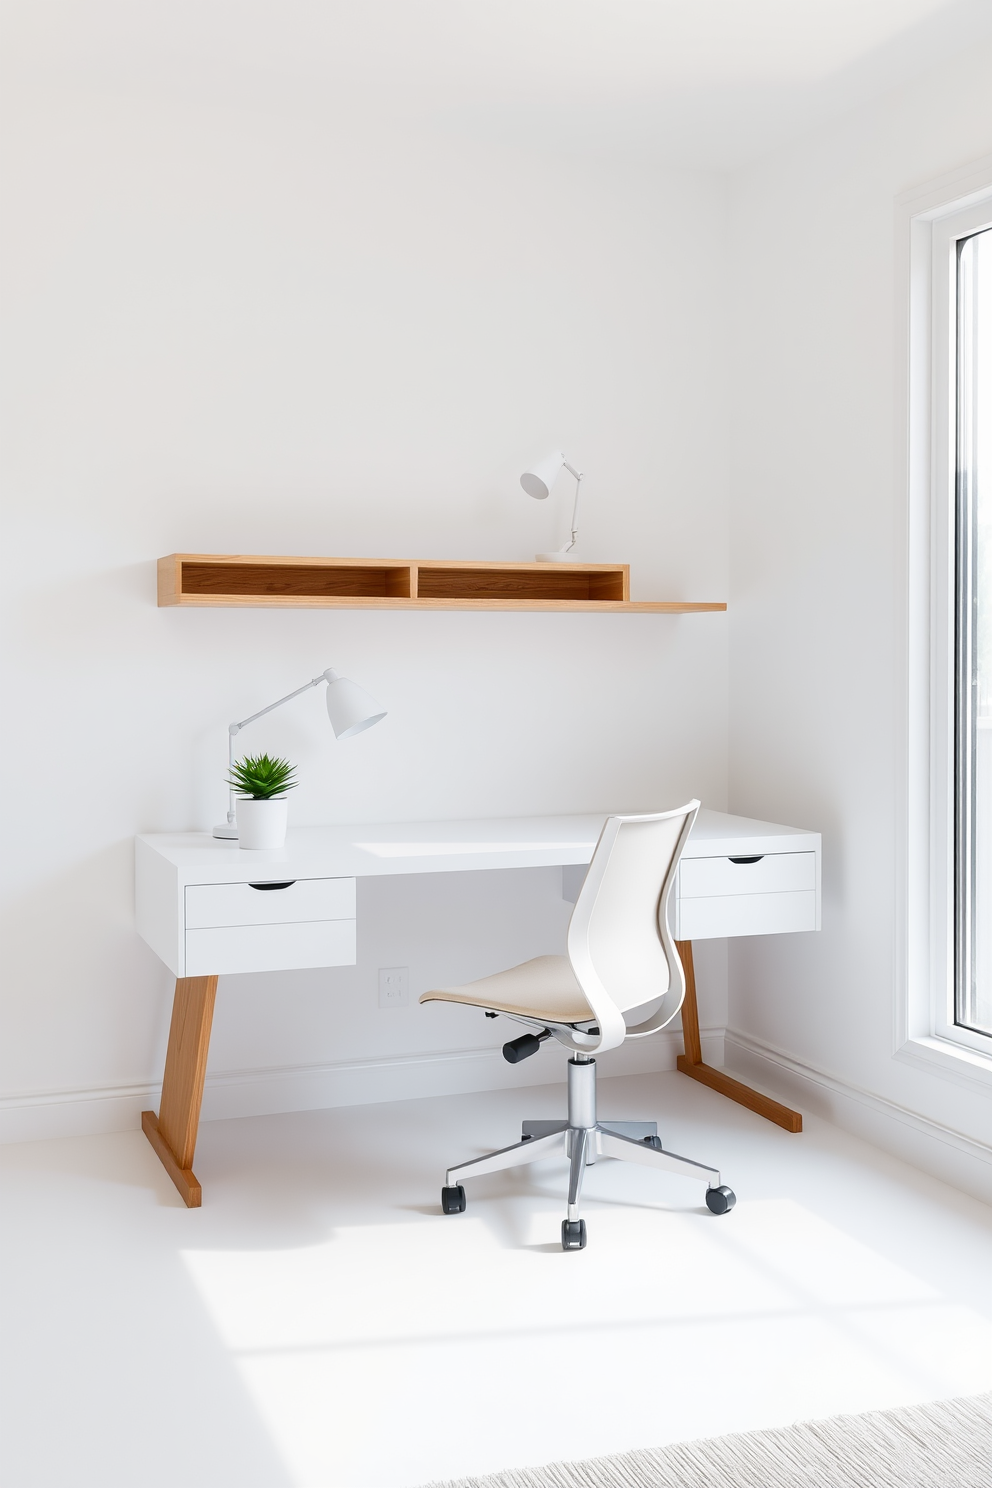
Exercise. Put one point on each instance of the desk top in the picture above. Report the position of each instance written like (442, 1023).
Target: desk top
(374, 850)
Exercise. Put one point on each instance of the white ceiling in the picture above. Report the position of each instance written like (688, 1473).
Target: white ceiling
(700, 82)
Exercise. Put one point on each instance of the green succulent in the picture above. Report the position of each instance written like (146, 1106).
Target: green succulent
(261, 778)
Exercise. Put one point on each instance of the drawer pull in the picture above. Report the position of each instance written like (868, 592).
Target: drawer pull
(756, 859)
(288, 884)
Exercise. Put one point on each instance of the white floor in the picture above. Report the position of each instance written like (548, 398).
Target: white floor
(319, 1322)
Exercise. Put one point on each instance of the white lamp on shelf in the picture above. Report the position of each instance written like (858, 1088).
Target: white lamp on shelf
(537, 482)
(349, 708)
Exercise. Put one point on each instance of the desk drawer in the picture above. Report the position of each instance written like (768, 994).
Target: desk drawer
(745, 914)
(236, 948)
(775, 873)
(212, 905)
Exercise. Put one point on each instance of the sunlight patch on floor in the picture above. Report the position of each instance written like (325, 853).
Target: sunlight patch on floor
(348, 1347)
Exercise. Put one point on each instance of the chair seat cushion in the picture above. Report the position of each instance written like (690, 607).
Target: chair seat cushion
(543, 988)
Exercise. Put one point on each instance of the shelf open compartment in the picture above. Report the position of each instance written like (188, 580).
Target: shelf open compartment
(198, 579)
(548, 582)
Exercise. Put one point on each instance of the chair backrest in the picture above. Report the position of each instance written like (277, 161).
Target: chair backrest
(619, 942)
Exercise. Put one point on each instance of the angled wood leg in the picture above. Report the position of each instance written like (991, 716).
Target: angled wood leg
(173, 1131)
(691, 1062)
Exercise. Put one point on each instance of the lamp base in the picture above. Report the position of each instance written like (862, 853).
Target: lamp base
(561, 557)
(226, 830)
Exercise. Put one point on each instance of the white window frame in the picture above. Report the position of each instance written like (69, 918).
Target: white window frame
(930, 222)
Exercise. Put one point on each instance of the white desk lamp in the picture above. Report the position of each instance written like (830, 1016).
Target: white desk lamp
(537, 482)
(349, 708)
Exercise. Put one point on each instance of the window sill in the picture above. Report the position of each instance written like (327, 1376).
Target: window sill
(953, 1061)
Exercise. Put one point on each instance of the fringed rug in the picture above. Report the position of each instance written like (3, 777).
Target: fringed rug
(947, 1444)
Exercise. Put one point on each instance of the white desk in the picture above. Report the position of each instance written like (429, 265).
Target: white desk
(207, 908)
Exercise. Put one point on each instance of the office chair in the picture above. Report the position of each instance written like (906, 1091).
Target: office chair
(621, 964)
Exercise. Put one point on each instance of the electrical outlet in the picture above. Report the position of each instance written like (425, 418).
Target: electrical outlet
(394, 986)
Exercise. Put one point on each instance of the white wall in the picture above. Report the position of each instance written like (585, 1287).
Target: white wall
(255, 318)
(818, 633)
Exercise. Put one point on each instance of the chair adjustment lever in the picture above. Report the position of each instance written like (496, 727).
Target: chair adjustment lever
(524, 1046)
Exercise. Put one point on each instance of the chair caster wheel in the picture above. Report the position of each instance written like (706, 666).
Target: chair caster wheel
(720, 1200)
(453, 1200)
(573, 1234)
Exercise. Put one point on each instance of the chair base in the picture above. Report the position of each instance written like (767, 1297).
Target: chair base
(582, 1139)
(639, 1131)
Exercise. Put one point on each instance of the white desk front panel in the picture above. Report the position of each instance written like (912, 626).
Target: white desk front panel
(286, 902)
(739, 877)
(771, 873)
(281, 925)
(190, 886)
(234, 948)
(744, 914)
(771, 894)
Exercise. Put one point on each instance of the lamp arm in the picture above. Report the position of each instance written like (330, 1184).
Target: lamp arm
(233, 729)
(575, 509)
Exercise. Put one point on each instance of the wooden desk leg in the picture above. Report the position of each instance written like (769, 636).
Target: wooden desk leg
(691, 1062)
(173, 1131)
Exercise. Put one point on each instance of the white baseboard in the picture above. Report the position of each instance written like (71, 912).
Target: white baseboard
(947, 1154)
(941, 1151)
(267, 1092)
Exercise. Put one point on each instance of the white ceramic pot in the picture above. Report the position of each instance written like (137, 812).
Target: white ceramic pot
(262, 824)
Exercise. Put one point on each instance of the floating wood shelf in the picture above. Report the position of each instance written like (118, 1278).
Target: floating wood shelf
(226, 579)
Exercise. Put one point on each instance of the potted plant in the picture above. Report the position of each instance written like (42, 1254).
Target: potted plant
(260, 784)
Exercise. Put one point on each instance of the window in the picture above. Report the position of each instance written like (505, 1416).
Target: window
(944, 980)
(973, 634)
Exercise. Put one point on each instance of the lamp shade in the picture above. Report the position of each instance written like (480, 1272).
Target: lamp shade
(349, 706)
(538, 480)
